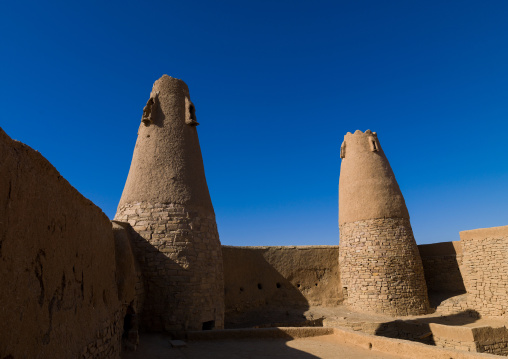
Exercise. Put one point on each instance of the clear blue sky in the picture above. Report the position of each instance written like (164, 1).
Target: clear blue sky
(276, 86)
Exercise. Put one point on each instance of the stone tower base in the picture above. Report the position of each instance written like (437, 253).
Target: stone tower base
(381, 268)
(181, 259)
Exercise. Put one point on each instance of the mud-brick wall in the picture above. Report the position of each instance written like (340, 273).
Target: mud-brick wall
(281, 276)
(441, 265)
(485, 269)
(58, 295)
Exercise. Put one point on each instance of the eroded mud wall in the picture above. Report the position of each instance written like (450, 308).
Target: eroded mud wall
(301, 276)
(58, 295)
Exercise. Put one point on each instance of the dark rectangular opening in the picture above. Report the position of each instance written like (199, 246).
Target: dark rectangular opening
(209, 325)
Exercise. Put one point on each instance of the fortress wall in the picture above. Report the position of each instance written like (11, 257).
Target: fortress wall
(441, 265)
(281, 276)
(485, 269)
(290, 266)
(59, 296)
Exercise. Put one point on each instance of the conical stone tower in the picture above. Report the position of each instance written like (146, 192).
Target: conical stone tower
(380, 266)
(167, 202)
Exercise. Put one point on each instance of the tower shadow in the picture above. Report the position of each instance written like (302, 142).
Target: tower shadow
(418, 330)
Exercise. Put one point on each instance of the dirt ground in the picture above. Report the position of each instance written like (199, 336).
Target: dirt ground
(342, 316)
(326, 346)
(156, 346)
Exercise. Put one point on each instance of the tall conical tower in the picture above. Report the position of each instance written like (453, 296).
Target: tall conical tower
(380, 265)
(167, 202)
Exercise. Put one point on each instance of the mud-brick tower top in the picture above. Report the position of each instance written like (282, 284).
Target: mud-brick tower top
(166, 200)
(167, 166)
(381, 268)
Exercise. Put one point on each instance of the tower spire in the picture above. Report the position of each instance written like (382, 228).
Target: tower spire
(380, 265)
(166, 200)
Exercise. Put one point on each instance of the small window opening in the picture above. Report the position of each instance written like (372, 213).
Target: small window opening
(260, 286)
(373, 144)
(147, 112)
(209, 325)
(298, 285)
(190, 117)
(278, 285)
(343, 150)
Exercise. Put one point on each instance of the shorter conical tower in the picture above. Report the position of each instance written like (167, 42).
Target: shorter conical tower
(166, 200)
(380, 266)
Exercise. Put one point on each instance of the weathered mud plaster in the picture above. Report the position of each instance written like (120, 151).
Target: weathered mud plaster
(58, 294)
(166, 200)
(379, 262)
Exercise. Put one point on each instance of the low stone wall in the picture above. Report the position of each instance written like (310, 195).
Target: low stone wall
(403, 348)
(59, 295)
(281, 276)
(485, 268)
(492, 340)
(486, 339)
(441, 265)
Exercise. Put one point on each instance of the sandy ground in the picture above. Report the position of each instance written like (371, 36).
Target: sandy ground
(325, 347)
(328, 346)
(342, 316)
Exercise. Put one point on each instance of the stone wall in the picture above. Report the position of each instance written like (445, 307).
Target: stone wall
(493, 340)
(281, 276)
(381, 267)
(482, 339)
(485, 269)
(178, 250)
(59, 296)
(441, 265)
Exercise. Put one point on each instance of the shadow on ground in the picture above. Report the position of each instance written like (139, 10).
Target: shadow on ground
(158, 346)
(418, 330)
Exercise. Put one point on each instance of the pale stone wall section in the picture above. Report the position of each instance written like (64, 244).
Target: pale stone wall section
(483, 339)
(384, 271)
(181, 261)
(485, 269)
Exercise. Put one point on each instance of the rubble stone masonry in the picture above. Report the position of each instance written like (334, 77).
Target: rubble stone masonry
(485, 269)
(181, 260)
(381, 267)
